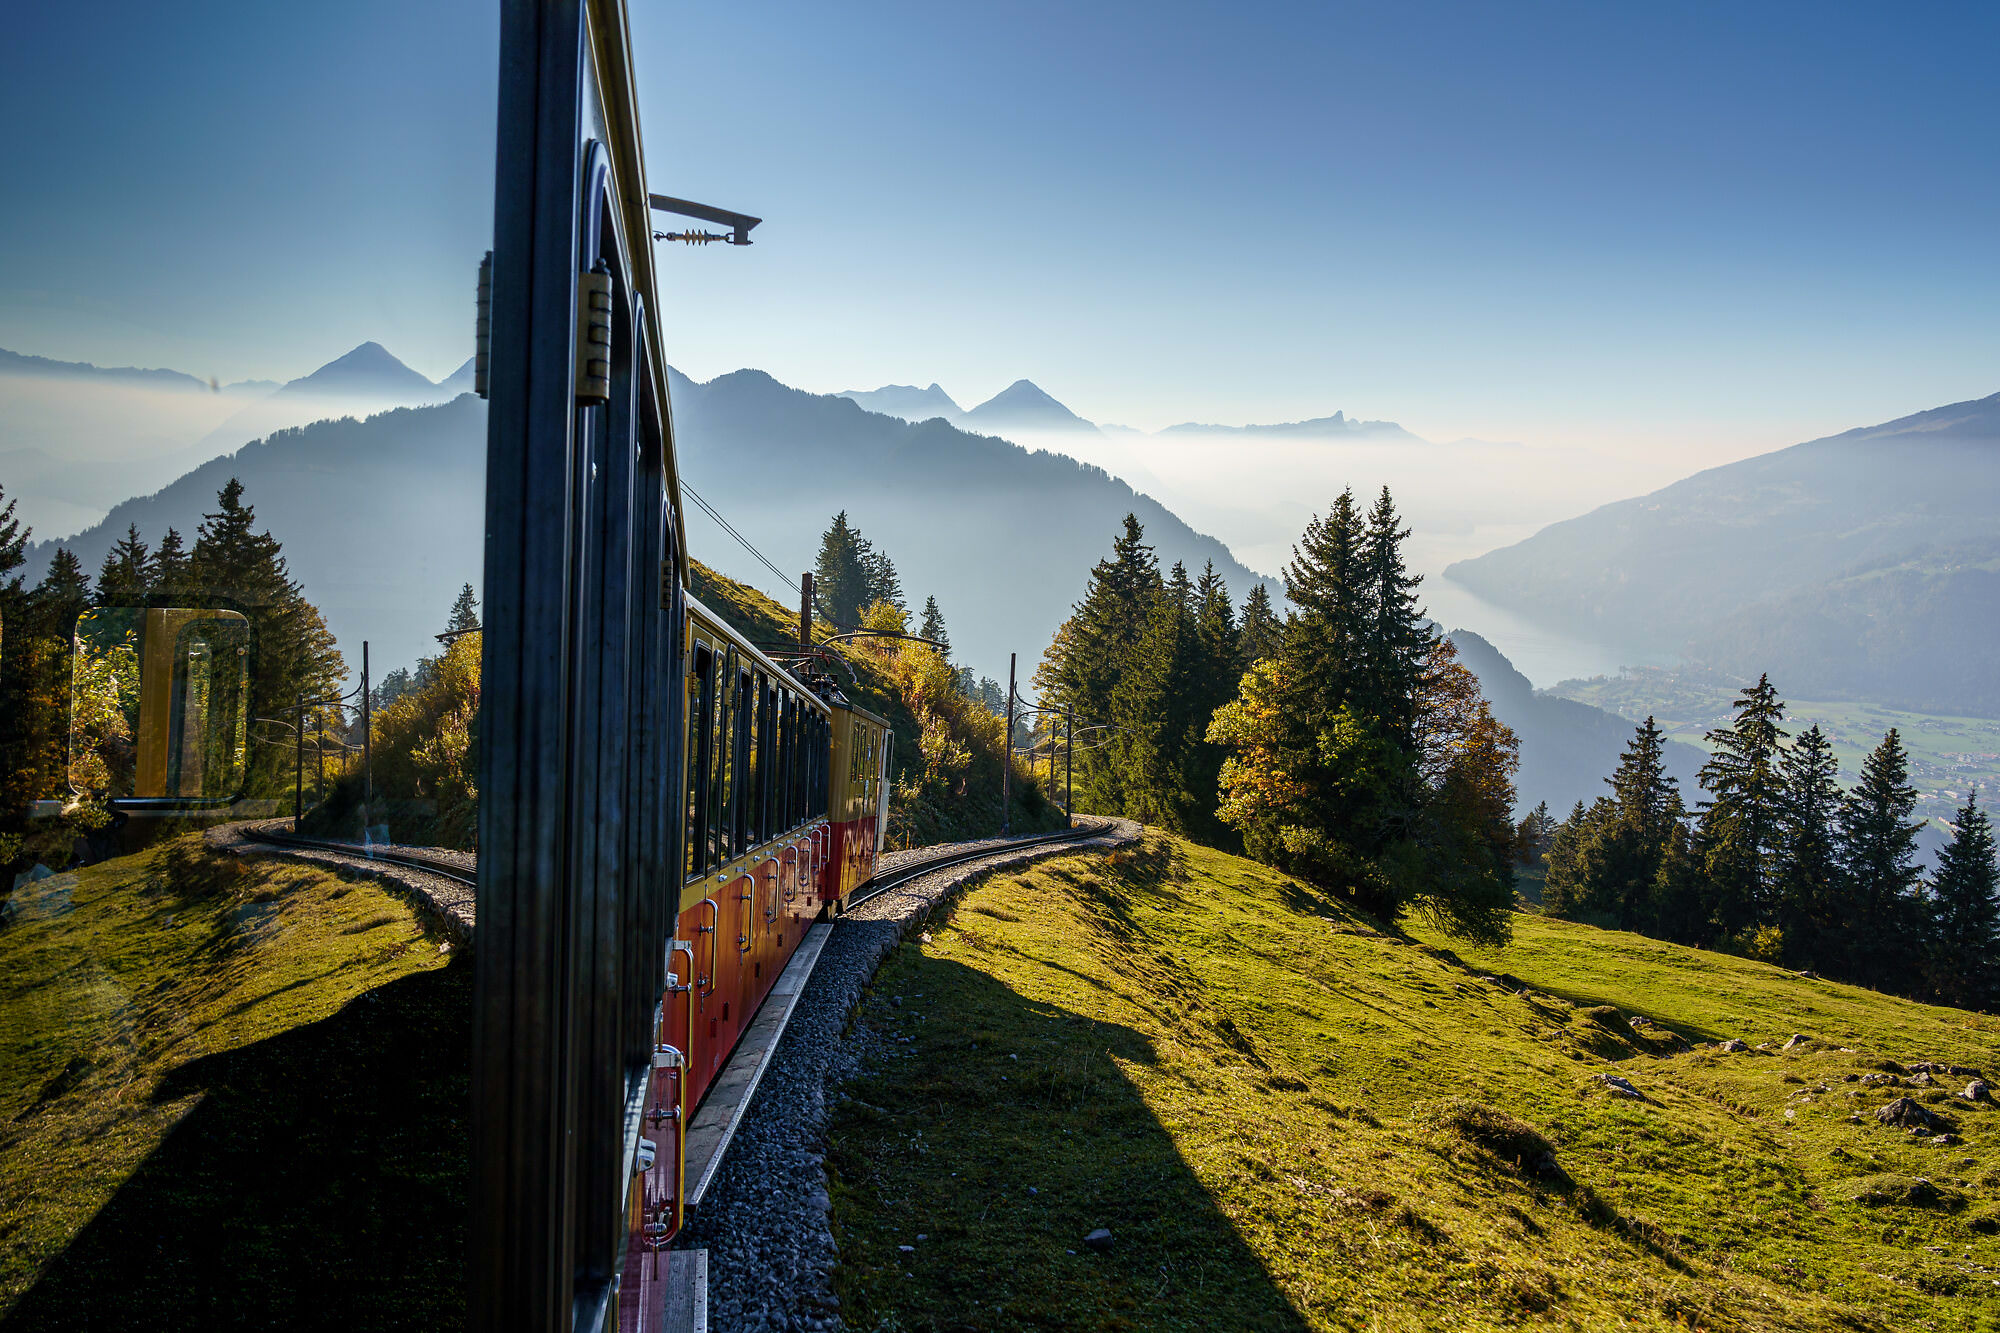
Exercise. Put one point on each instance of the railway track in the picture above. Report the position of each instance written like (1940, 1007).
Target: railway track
(430, 865)
(915, 870)
(875, 888)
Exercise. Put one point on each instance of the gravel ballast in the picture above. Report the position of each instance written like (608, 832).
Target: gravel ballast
(765, 1220)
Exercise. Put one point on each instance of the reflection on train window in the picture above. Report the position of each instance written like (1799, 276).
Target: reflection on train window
(701, 702)
(159, 704)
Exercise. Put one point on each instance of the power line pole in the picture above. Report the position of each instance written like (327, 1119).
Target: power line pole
(806, 615)
(367, 748)
(1007, 764)
(299, 768)
(1069, 766)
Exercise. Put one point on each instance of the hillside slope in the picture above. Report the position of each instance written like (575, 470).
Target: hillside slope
(1791, 555)
(1288, 1119)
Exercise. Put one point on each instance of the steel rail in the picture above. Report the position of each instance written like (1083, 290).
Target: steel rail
(902, 875)
(362, 851)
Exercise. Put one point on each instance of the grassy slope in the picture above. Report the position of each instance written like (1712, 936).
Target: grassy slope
(230, 1095)
(1240, 1082)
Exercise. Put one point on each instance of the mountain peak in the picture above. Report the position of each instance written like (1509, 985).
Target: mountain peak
(1025, 404)
(907, 401)
(369, 370)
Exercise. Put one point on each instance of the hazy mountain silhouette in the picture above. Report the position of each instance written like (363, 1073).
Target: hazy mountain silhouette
(1023, 407)
(1338, 426)
(68, 456)
(382, 518)
(908, 402)
(1863, 565)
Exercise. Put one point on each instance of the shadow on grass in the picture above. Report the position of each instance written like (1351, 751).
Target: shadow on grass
(320, 1183)
(992, 1143)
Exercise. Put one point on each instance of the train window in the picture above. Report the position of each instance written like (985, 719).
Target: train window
(159, 704)
(745, 795)
(701, 695)
(788, 761)
(718, 797)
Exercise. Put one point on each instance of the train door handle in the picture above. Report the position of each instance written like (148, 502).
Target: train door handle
(706, 984)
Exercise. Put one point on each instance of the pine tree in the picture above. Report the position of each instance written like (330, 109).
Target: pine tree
(1682, 908)
(1533, 834)
(1879, 855)
(1621, 864)
(234, 566)
(1809, 889)
(1093, 651)
(122, 579)
(13, 544)
(1157, 704)
(841, 575)
(1396, 638)
(1743, 820)
(1964, 915)
(1327, 582)
(883, 584)
(43, 643)
(167, 575)
(1563, 890)
(1261, 633)
(932, 627)
(464, 612)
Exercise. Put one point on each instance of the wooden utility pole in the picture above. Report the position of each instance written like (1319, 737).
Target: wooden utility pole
(1007, 764)
(806, 614)
(1069, 766)
(299, 767)
(367, 749)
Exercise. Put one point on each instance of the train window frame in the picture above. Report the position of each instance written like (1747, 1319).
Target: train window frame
(701, 677)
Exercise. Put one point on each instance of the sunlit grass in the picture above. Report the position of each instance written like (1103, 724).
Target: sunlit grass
(133, 991)
(1288, 1118)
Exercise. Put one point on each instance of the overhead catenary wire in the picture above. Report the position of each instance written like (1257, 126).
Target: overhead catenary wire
(712, 512)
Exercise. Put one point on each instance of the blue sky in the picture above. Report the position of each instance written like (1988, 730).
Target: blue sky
(1702, 227)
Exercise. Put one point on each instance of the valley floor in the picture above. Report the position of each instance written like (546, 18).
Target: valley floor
(1288, 1119)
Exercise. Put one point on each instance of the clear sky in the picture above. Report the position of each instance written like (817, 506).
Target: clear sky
(1716, 228)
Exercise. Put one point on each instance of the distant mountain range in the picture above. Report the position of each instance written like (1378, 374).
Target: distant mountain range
(1024, 408)
(76, 438)
(1865, 565)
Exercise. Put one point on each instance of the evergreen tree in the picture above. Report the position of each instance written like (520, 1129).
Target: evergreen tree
(1682, 908)
(1396, 638)
(62, 596)
(1743, 820)
(13, 544)
(1533, 835)
(1965, 918)
(1326, 581)
(235, 566)
(1621, 865)
(1261, 633)
(932, 627)
(883, 584)
(167, 575)
(44, 644)
(1093, 651)
(1809, 891)
(123, 578)
(842, 574)
(464, 612)
(1879, 855)
(17, 655)
(1158, 705)
(1562, 880)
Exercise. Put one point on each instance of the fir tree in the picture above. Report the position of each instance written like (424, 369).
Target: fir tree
(1533, 835)
(1964, 916)
(1563, 889)
(932, 627)
(123, 578)
(1396, 637)
(464, 612)
(235, 566)
(842, 574)
(1879, 855)
(1809, 890)
(167, 575)
(1326, 581)
(1620, 862)
(13, 544)
(1157, 704)
(1092, 652)
(1261, 633)
(1743, 819)
(883, 584)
